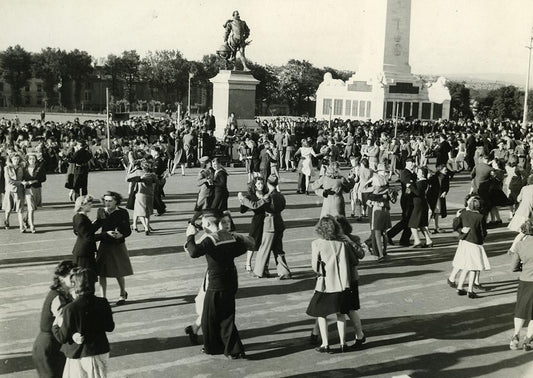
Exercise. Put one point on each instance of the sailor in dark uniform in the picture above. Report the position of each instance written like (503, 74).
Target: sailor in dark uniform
(220, 248)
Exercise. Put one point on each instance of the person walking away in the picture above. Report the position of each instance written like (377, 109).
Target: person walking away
(332, 295)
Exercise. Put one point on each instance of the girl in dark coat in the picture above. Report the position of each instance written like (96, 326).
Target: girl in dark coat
(253, 200)
(419, 217)
(112, 258)
(84, 250)
(47, 357)
(91, 317)
(496, 195)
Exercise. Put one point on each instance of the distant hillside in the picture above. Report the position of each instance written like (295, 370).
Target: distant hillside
(484, 82)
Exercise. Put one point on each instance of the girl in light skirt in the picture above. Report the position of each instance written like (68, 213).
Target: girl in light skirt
(470, 256)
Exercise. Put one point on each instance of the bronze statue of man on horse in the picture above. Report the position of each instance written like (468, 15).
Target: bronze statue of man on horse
(235, 35)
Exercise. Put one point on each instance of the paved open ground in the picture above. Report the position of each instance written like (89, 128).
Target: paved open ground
(415, 324)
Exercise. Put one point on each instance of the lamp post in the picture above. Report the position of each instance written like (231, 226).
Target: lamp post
(524, 120)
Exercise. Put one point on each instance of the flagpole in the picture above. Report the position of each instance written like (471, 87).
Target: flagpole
(526, 92)
(107, 118)
(189, 96)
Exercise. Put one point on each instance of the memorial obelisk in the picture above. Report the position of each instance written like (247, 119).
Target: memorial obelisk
(383, 86)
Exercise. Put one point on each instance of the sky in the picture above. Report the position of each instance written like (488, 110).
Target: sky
(447, 36)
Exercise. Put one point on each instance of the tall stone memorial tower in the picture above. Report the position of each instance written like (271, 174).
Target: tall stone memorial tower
(383, 86)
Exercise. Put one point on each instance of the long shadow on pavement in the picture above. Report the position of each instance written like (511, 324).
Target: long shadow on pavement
(429, 365)
(478, 323)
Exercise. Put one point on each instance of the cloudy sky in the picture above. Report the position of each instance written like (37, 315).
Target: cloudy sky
(447, 36)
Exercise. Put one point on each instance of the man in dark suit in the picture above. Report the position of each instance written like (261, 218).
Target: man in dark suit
(443, 151)
(210, 121)
(481, 175)
(160, 167)
(470, 145)
(407, 176)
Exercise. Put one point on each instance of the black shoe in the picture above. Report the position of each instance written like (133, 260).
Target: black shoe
(343, 348)
(204, 351)
(193, 337)
(461, 292)
(451, 284)
(527, 344)
(313, 339)
(322, 349)
(472, 295)
(122, 299)
(237, 356)
(405, 244)
(359, 342)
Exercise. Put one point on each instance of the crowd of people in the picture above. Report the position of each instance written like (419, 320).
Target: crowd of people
(361, 163)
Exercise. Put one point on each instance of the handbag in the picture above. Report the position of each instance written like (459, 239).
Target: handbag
(131, 198)
(320, 279)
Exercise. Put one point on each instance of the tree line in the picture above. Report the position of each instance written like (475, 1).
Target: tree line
(166, 73)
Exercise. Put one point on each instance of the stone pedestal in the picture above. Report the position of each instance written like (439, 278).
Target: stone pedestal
(233, 92)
